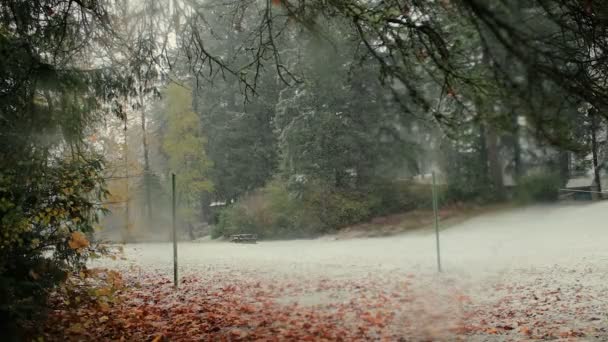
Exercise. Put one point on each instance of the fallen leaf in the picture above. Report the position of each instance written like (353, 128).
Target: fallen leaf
(492, 331)
(525, 330)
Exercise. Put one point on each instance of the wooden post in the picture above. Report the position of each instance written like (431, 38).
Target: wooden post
(174, 234)
(436, 212)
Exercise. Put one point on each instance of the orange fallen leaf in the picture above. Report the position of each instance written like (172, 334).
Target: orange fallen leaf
(247, 309)
(492, 331)
(463, 299)
(525, 331)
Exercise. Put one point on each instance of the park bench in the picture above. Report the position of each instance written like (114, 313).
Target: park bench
(244, 238)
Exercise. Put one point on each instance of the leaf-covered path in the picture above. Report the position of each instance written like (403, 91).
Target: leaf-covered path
(244, 306)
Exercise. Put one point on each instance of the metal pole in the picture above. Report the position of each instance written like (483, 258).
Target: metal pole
(127, 217)
(436, 212)
(174, 234)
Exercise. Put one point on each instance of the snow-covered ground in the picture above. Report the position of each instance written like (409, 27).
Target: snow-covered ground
(517, 239)
(537, 272)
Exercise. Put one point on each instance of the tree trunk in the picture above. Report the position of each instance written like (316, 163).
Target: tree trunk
(191, 231)
(483, 154)
(517, 163)
(146, 178)
(594, 151)
(564, 166)
(127, 234)
(205, 209)
(340, 178)
(205, 197)
(494, 165)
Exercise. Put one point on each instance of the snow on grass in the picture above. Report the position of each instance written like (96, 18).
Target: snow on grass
(532, 273)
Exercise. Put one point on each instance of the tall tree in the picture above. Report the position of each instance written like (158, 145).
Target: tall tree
(183, 144)
(51, 182)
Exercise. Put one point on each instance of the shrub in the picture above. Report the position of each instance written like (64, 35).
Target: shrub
(538, 187)
(270, 212)
(44, 215)
(308, 209)
(338, 209)
(400, 196)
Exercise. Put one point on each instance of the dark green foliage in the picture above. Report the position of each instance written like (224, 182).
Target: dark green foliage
(400, 196)
(22, 298)
(280, 211)
(340, 124)
(538, 187)
(270, 212)
(51, 185)
(465, 168)
(40, 207)
(241, 143)
(336, 209)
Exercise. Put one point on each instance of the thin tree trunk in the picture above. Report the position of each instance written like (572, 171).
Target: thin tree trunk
(517, 163)
(205, 210)
(594, 151)
(564, 166)
(191, 231)
(146, 178)
(483, 154)
(516, 7)
(494, 165)
(127, 236)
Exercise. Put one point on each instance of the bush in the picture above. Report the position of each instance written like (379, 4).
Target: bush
(338, 209)
(270, 212)
(313, 208)
(539, 187)
(44, 215)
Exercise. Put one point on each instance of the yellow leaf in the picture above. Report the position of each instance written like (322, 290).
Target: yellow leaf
(104, 291)
(76, 328)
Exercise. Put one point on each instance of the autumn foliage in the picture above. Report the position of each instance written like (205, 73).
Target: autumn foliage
(78, 241)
